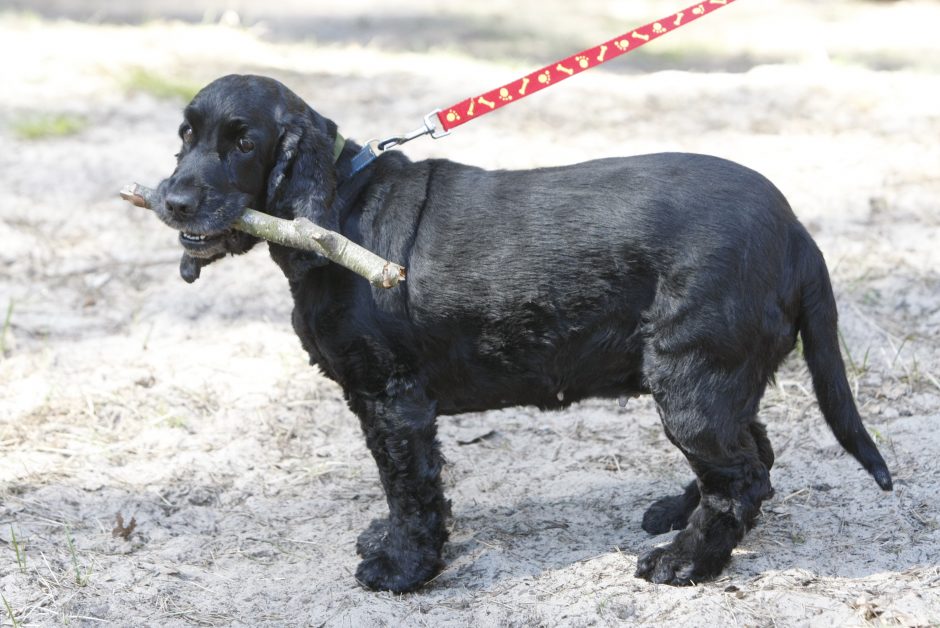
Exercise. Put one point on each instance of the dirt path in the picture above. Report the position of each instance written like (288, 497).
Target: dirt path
(192, 410)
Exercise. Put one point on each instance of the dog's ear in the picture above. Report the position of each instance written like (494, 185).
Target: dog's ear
(302, 182)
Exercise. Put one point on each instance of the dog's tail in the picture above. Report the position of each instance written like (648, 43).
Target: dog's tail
(818, 328)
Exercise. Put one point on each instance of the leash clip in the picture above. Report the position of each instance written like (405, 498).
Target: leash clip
(431, 127)
(433, 124)
(373, 148)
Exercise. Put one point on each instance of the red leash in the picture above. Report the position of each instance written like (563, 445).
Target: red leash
(472, 108)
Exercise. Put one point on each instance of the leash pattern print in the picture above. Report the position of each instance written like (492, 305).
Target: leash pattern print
(473, 108)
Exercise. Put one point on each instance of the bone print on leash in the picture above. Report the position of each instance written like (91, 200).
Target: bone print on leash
(467, 110)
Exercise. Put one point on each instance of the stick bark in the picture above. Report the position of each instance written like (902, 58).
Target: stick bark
(301, 234)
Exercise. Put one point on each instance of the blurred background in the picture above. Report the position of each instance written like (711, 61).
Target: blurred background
(122, 389)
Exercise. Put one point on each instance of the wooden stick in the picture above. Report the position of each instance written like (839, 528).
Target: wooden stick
(299, 233)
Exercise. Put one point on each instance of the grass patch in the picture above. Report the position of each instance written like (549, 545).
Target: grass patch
(159, 86)
(80, 578)
(20, 552)
(798, 347)
(43, 126)
(16, 624)
(855, 368)
(7, 321)
(176, 422)
(878, 437)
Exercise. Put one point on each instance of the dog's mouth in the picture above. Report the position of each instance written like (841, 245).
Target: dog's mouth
(204, 245)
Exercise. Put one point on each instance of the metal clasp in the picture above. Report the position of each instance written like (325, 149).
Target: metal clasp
(435, 128)
(431, 127)
(374, 148)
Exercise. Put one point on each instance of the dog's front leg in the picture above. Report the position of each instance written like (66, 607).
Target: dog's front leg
(403, 552)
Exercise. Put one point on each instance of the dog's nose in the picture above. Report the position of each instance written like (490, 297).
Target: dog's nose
(181, 204)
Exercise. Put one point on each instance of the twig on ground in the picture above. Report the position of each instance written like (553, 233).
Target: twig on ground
(300, 234)
(121, 530)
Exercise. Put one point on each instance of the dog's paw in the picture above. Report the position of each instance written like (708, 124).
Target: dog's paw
(668, 565)
(397, 572)
(373, 538)
(666, 514)
(392, 563)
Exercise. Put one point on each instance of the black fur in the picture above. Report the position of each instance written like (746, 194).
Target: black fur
(683, 276)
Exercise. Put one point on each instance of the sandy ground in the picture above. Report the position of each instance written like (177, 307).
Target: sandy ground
(191, 408)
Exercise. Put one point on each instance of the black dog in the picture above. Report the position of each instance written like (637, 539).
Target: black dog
(683, 276)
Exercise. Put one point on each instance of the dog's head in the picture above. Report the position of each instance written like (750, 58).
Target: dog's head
(248, 141)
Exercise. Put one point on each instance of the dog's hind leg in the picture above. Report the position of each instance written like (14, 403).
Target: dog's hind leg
(709, 412)
(764, 449)
(673, 511)
(403, 552)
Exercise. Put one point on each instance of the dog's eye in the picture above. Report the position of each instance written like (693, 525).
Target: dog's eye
(245, 145)
(187, 135)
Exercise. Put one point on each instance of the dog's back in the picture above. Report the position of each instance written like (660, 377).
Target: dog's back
(545, 286)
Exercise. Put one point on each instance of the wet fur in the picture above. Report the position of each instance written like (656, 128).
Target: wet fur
(682, 276)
